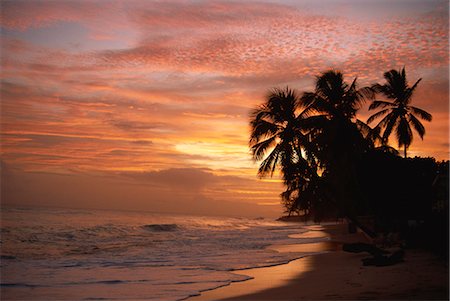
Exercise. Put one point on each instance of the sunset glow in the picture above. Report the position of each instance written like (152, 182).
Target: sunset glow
(145, 104)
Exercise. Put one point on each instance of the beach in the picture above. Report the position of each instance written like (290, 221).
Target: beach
(338, 275)
(68, 254)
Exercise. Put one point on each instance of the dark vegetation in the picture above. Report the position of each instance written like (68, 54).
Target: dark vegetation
(335, 165)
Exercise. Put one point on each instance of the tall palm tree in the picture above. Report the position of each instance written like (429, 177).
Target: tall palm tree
(399, 114)
(340, 141)
(340, 102)
(333, 95)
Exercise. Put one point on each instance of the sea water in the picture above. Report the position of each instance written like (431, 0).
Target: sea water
(57, 254)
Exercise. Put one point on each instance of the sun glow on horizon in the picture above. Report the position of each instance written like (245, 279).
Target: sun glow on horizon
(157, 93)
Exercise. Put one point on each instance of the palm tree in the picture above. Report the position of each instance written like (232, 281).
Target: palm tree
(334, 96)
(281, 136)
(340, 142)
(400, 115)
(279, 132)
(340, 101)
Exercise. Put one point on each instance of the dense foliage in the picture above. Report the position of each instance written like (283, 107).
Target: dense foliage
(334, 164)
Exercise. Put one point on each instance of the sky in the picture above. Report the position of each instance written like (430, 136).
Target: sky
(144, 105)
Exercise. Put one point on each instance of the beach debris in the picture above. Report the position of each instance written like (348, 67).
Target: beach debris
(363, 247)
(379, 257)
(380, 261)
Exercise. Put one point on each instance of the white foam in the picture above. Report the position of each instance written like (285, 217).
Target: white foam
(103, 254)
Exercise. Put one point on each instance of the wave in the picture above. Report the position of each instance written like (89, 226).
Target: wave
(108, 282)
(20, 285)
(161, 227)
(223, 284)
(180, 255)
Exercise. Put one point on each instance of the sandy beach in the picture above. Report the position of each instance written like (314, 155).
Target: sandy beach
(338, 275)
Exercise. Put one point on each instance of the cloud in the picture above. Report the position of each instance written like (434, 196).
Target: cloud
(149, 192)
(163, 88)
(250, 41)
(193, 179)
(23, 14)
(129, 125)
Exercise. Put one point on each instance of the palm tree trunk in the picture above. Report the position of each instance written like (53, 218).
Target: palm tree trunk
(361, 226)
(405, 151)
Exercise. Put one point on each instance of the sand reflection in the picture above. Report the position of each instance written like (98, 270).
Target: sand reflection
(264, 278)
(310, 234)
(323, 246)
(275, 276)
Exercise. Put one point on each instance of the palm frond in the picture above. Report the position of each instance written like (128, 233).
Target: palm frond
(314, 122)
(267, 166)
(372, 135)
(354, 98)
(367, 92)
(274, 165)
(306, 112)
(260, 149)
(377, 115)
(380, 103)
(403, 73)
(261, 112)
(396, 85)
(409, 91)
(288, 154)
(421, 113)
(308, 98)
(377, 88)
(282, 103)
(363, 127)
(389, 121)
(387, 149)
(418, 126)
(353, 84)
(330, 85)
(261, 129)
(413, 87)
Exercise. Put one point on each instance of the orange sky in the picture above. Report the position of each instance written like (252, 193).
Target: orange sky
(144, 105)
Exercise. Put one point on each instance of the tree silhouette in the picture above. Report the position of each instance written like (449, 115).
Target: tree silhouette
(279, 132)
(340, 141)
(320, 146)
(281, 135)
(399, 114)
(340, 136)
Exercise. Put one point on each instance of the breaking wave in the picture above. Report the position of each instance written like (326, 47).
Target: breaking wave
(161, 227)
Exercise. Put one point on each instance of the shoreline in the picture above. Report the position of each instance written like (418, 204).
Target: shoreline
(265, 277)
(331, 274)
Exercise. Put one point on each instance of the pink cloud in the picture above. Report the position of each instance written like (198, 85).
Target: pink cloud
(179, 94)
(23, 14)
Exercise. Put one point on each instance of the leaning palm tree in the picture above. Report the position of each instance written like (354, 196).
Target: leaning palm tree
(277, 136)
(399, 114)
(281, 136)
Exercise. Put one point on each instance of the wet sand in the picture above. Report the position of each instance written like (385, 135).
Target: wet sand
(339, 275)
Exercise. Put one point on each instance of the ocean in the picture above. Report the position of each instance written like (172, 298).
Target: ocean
(67, 254)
